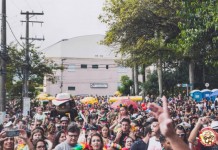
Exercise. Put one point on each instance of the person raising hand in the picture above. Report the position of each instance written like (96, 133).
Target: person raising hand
(166, 125)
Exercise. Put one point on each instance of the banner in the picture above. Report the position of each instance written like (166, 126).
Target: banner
(26, 106)
(2, 117)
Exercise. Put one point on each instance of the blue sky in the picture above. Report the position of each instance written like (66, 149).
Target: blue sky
(62, 19)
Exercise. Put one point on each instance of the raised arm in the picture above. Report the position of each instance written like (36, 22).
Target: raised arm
(166, 125)
(198, 125)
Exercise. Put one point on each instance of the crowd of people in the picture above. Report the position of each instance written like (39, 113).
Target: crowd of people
(157, 124)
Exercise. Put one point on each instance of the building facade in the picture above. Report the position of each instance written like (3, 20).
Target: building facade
(88, 67)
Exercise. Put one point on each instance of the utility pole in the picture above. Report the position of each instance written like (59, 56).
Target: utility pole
(27, 38)
(3, 57)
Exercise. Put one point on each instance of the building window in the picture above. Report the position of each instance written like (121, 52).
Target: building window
(71, 68)
(84, 66)
(71, 88)
(95, 66)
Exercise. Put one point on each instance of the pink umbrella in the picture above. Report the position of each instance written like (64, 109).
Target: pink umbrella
(125, 102)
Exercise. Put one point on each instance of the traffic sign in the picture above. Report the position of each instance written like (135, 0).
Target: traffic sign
(207, 85)
(185, 85)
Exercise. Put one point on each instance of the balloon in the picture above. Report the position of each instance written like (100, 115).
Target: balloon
(143, 104)
(144, 108)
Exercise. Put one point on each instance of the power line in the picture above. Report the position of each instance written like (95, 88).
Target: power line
(14, 34)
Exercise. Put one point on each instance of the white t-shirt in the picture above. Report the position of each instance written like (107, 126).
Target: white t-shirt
(82, 138)
(39, 117)
(154, 144)
(63, 146)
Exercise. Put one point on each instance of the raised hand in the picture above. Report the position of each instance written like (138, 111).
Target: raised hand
(166, 125)
(163, 116)
(2, 136)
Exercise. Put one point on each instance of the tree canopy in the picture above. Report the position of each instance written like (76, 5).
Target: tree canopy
(199, 35)
(134, 25)
(178, 31)
(39, 66)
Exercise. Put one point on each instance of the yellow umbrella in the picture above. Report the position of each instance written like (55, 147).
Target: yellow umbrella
(117, 93)
(114, 99)
(133, 98)
(136, 98)
(89, 100)
(50, 98)
(41, 96)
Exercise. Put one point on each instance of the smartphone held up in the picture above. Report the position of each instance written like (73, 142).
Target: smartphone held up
(12, 133)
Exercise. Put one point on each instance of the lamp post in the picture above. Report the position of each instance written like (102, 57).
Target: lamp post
(62, 70)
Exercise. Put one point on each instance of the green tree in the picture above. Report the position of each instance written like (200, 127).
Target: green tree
(140, 28)
(126, 84)
(38, 67)
(171, 77)
(134, 25)
(198, 38)
(151, 85)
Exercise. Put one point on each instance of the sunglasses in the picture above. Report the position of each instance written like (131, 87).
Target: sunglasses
(181, 135)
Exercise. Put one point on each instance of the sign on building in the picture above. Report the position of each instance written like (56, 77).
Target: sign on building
(98, 85)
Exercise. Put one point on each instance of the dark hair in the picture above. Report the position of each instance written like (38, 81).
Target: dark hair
(56, 138)
(28, 132)
(24, 122)
(147, 130)
(101, 139)
(2, 142)
(131, 109)
(40, 140)
(125, 120)
(180, 127)
(92, 116)
(154, 120)
(162, 139)
(73, 128)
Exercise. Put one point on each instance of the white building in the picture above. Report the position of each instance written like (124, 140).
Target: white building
(90, 68)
